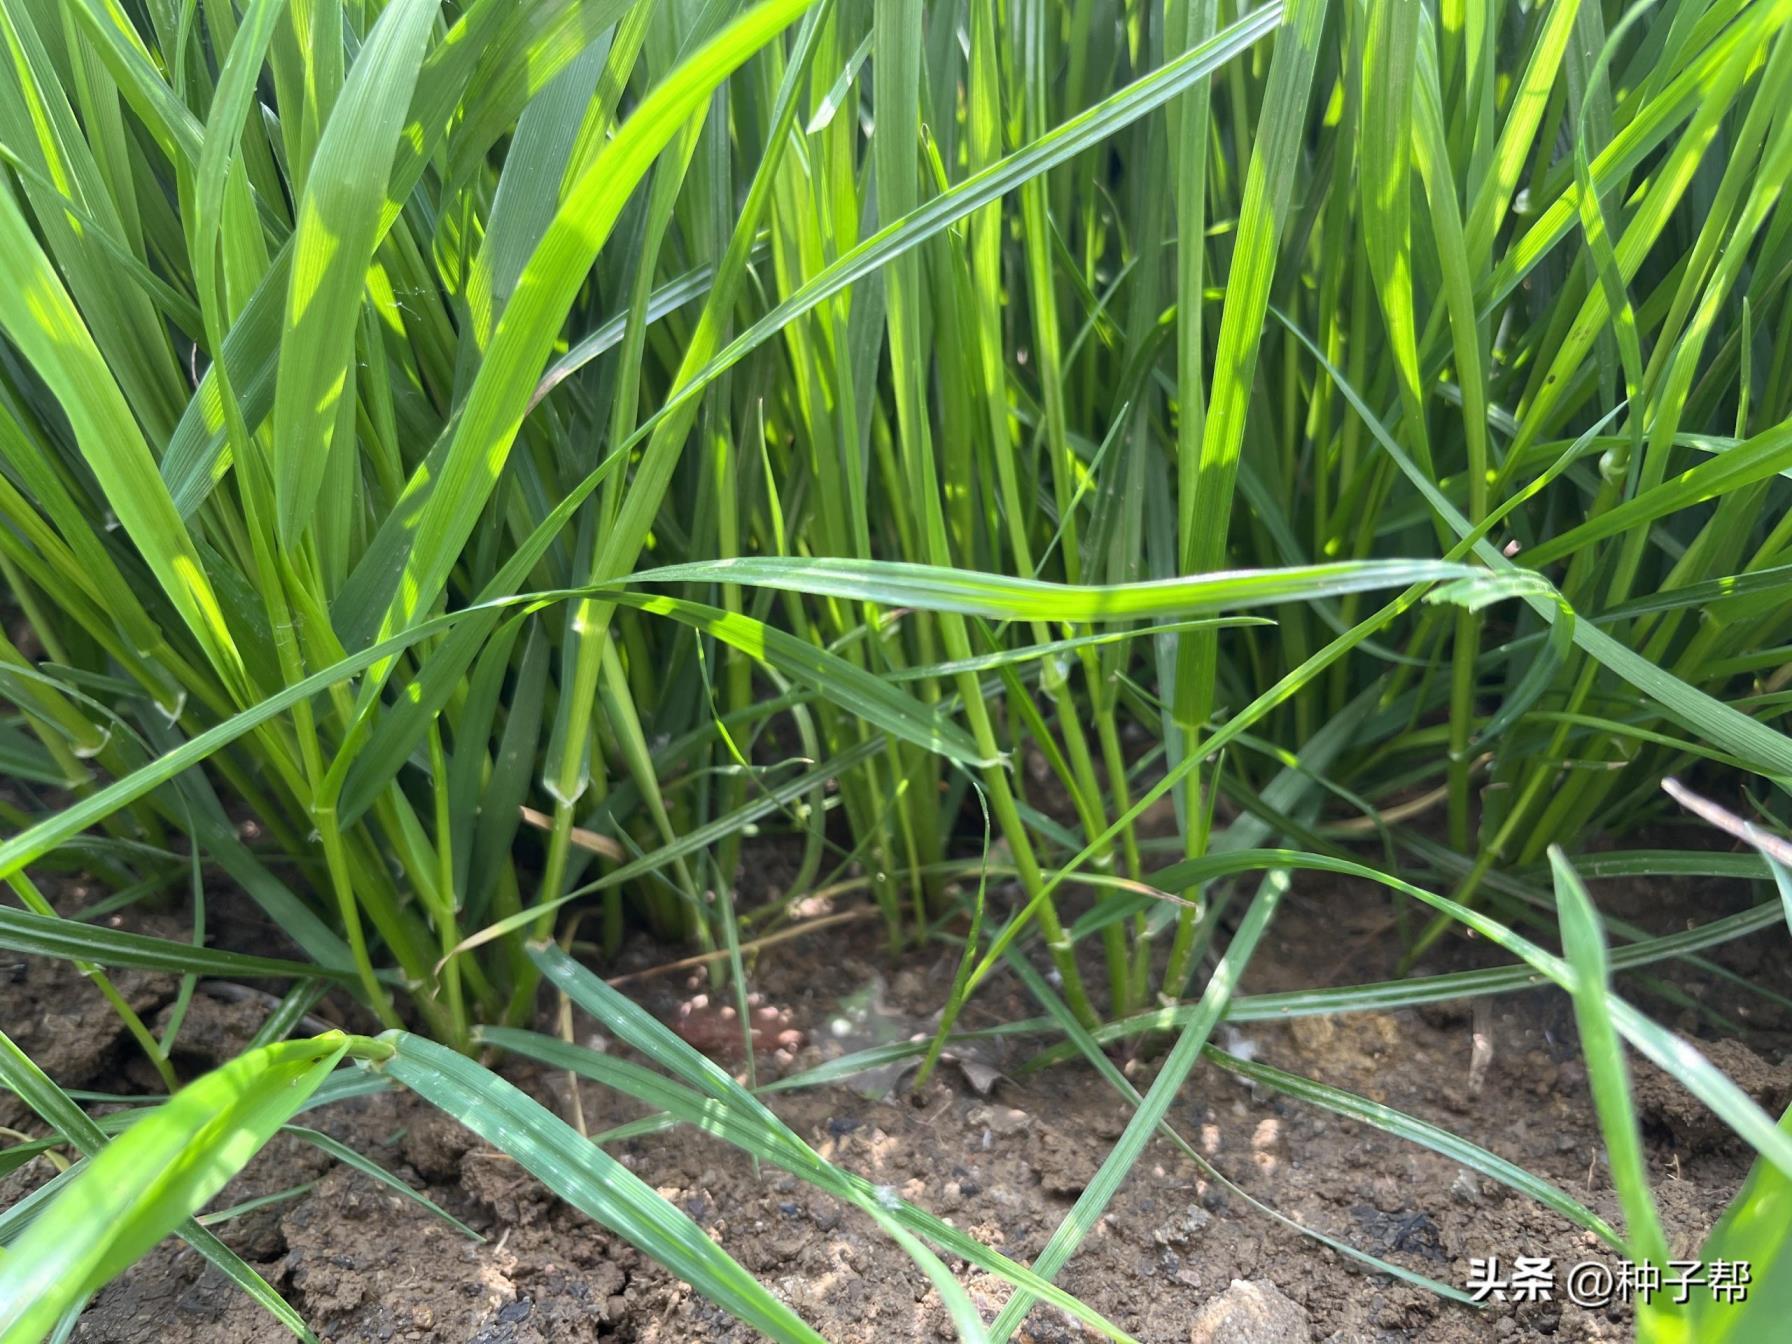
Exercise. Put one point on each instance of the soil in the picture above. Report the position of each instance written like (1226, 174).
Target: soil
(1175, 1258)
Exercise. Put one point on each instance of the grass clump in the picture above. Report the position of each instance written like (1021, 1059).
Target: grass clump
(513, 454)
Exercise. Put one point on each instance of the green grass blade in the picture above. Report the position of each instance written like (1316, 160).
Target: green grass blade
(68, 939)
(144, 1184)
(939, 588)
(587, 1178)
(544, 292)
(1414, 1130)
(368, 1167)
(1583, 942)
(41, 320)
(338, 226)
(1756, 1232)
(1082, 1043)
(1183, 1057)
(736, 1115)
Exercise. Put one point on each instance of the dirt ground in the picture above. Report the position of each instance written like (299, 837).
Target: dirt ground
(362, 1264)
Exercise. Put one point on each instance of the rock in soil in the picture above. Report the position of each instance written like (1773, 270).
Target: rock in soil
(1251, 1311)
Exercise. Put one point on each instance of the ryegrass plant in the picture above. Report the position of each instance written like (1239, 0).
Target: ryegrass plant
(672, 422)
